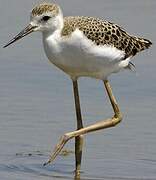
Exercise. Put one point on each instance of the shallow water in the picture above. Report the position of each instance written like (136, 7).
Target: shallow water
(36, 101)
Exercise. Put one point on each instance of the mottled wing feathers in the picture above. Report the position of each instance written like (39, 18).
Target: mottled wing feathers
(105, 33)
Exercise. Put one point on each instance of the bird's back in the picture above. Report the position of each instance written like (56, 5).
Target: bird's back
(102, 32)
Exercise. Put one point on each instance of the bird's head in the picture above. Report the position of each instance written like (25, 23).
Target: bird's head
(45, 17)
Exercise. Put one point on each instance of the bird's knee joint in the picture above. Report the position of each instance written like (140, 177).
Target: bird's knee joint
(117, 118)
(120, 117)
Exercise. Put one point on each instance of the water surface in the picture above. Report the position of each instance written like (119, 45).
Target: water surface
(36, 101)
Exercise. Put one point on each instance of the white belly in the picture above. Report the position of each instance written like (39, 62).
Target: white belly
(77, 56)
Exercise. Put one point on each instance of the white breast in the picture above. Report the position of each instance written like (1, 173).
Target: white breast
(78, 56)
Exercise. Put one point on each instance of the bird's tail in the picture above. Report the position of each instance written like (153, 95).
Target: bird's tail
(142, 43)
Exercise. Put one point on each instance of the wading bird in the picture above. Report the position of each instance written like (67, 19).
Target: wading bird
(83, 46)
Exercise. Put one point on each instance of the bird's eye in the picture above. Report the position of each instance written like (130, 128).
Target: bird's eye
(46, 18)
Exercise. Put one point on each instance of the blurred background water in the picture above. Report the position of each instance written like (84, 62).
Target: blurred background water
(36, 101)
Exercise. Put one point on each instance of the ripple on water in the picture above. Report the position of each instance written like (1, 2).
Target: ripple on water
(20, 166)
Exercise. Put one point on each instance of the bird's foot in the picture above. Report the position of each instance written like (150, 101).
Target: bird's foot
(63, 140)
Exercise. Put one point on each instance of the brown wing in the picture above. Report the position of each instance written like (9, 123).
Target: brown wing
(105, 33)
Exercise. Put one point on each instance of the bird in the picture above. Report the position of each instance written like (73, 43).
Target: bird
(83, 46)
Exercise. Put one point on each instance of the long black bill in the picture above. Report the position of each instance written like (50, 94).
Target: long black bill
(29, 29)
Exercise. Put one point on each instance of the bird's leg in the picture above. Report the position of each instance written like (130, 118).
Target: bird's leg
(78, 139)
(108, 123)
